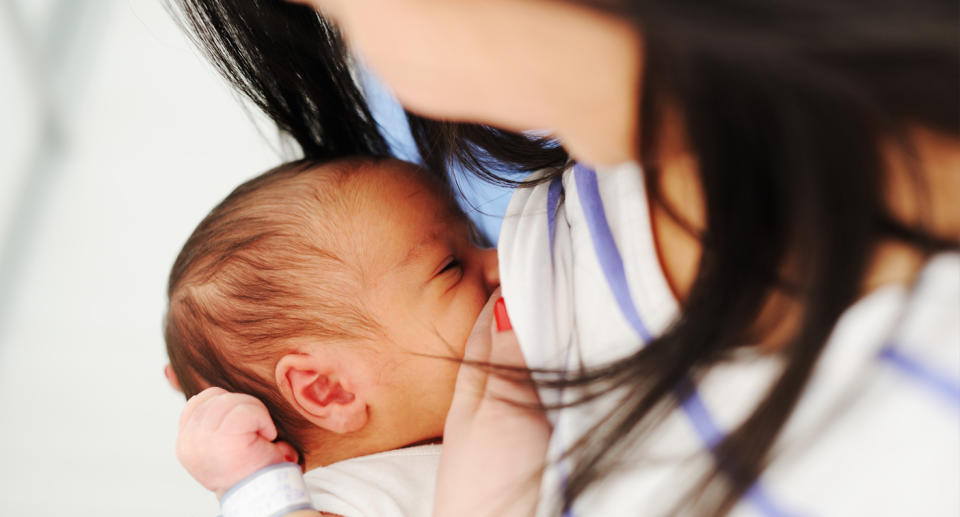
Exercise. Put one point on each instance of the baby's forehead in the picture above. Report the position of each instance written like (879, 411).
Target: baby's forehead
(371, 206)
(395, 179)
(389, 188)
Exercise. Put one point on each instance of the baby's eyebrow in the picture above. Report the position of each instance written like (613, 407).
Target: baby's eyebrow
(417, 250)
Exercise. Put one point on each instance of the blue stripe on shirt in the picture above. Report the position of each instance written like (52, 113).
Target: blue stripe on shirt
(554, 192)
(606, 247)
(553, 202)
(611, 262)
(936, 382)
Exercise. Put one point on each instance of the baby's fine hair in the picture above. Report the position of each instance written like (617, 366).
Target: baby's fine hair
(256, 277)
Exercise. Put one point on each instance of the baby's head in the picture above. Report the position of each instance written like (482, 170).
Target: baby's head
(329, 292)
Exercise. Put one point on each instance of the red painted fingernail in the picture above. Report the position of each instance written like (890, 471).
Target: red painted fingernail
(500, 313)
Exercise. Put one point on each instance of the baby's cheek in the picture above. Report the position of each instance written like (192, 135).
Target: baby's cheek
(470, 311)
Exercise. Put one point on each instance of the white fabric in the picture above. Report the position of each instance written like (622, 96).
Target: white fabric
(396, 483)
(866, 437)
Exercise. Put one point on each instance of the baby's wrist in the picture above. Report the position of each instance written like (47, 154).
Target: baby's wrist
(232, 474)
(277, 489)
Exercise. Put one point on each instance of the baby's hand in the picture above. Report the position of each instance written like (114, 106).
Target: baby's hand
(224, 437)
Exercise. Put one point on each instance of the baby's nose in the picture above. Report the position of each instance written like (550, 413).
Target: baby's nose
(491, 269)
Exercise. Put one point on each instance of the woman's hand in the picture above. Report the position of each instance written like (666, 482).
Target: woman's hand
(224, 437)
(494, 448)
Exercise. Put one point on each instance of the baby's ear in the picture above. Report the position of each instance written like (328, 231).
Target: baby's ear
(319, 388)
(172, 377)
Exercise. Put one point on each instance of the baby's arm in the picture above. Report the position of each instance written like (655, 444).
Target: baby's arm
(225, 437)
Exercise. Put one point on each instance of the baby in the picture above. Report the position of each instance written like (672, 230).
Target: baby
(339, 296)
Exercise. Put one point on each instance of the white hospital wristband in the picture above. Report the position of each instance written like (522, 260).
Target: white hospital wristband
(269, 492)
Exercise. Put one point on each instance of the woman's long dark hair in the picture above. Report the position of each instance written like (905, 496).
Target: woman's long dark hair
(293, 65)
(785, 104)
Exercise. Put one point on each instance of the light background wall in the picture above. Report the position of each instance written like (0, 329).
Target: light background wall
(115, 139)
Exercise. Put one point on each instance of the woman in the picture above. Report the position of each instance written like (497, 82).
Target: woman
(798, 157)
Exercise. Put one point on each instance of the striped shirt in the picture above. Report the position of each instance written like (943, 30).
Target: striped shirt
(876, 432)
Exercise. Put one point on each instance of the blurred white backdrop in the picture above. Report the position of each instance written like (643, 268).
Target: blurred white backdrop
(116, 138)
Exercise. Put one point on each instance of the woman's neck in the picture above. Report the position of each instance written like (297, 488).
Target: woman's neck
(922, 192)
(930, 204)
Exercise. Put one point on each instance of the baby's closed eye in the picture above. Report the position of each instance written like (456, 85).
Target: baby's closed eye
(450, 264)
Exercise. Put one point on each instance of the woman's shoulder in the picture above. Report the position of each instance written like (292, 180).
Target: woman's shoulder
(879, 417)
(933, 311)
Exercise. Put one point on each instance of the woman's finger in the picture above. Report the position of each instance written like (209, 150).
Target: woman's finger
(264, 453)
(471, 380)
(287, 452)
(509, 384)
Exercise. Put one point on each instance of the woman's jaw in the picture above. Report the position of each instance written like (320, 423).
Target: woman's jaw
(518, 65)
